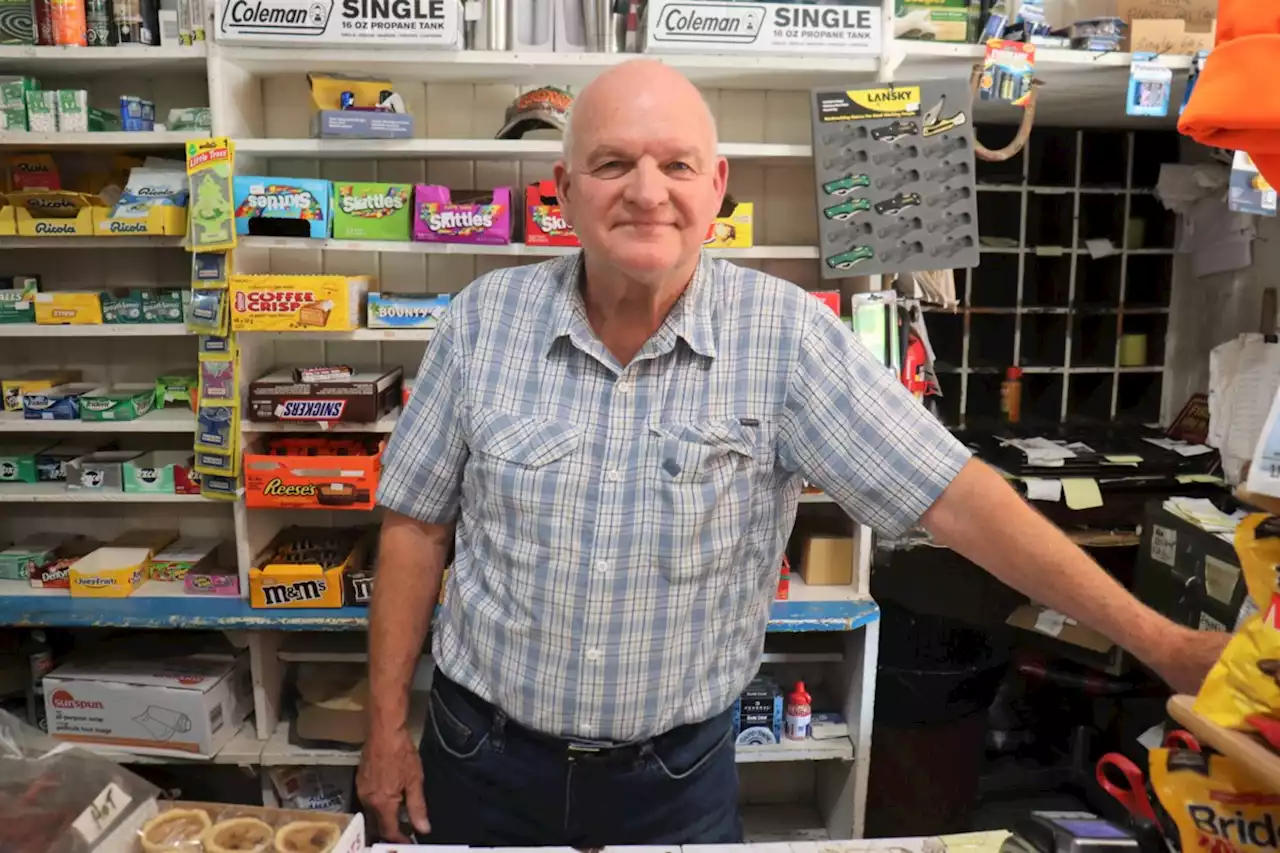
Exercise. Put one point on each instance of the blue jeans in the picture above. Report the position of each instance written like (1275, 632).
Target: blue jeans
(491, 782)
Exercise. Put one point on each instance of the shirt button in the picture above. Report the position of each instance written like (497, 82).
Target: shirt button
(588, 729)
(593, 655)
(623, 387)
(614, 475)
(602, 567)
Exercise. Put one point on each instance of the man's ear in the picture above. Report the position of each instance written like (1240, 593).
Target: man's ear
(562, 191)
(721, 179)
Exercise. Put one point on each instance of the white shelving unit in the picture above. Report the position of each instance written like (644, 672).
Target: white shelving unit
(810, 791)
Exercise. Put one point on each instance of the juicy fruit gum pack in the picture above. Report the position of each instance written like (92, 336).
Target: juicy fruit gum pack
(1242, 690)
(1216, 805)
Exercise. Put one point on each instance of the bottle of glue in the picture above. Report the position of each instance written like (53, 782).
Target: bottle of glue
(798, 714)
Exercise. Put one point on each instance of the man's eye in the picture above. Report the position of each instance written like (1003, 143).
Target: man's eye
(611, 167)
(679, 166)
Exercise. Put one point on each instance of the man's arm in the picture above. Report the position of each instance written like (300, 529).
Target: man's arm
(982, 518)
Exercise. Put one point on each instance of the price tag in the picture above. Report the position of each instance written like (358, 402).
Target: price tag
(105, 810)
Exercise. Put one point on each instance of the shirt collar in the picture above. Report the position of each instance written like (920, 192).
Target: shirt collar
(690, 319)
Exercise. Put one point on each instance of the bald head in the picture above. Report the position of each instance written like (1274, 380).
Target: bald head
(632, 92)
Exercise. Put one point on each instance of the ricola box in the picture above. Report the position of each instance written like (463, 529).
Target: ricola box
(380, 23)
(471, 217)
(372, 211)
(544, 224)
(844, 27)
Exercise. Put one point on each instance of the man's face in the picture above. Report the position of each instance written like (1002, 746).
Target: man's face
(642, 188)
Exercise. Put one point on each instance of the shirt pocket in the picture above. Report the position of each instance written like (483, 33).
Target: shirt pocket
(519, 465)
(701, 477)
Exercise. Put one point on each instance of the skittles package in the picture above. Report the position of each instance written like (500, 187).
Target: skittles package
(444, 217)
(1215, 804)
(363, 211)
(1242, 690)
(282, 207)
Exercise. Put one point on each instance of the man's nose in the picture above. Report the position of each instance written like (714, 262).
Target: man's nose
(647, 188)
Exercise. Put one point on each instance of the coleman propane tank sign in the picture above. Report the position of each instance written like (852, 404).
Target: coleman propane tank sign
(755, 26)
(416, 23)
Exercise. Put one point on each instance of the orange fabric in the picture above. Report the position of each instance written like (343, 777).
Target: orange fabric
(1236, 102)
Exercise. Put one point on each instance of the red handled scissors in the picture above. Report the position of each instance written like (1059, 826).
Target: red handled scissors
(1133, 793)
(1182, 739)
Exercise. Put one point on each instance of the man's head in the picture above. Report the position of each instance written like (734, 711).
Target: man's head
(640, 180)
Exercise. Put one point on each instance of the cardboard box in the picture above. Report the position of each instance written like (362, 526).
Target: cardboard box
(757, 713)
(298, 303)
(357, 586)
(51, 463)
(827, 561)
(442, 215)
(124, 402)
(152, 540)
(1170, 36)
(18, 462)
(405, 310)
(312, 479)
(101, 471)
(13, 389)
(49, 213)
(166, 305)
(60, 403)
(364, 211)
(732, 228)
(282, 207)
(937, 20)
(361, 124)
(431, 24)
(68, 308)
(175, 561)
(53, 570)
(188, 707)
(362, 398)
(1042, 620)
(17, 561)
(161, 220)
(544, 224)
(212, 580)
(110, 573)
(755, 26)
(121, 305)
(304, 567)
(17, 297)
(154, 472)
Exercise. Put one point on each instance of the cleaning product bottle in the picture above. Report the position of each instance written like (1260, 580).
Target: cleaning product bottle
(1011, 395)
(798, 714)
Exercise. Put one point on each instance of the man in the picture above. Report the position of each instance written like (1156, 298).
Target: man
(615, 443)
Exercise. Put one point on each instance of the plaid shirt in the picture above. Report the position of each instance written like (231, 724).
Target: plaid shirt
(620, 527)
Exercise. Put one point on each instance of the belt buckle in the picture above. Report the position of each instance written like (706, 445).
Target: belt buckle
(580, 748)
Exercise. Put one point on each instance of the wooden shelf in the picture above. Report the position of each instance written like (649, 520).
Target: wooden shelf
(134, 140)
(157, 421)
(545, 150)
(22, 59)
(1250, 751)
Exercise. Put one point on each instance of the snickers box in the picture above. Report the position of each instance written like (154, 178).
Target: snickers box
(362, 397)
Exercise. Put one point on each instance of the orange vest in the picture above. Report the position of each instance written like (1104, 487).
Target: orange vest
(1236, 102)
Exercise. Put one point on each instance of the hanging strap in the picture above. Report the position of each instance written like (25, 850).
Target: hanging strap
(1024, 129)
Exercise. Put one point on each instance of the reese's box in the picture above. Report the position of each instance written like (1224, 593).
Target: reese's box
(362, 397)
(300, 472)
(298, 303)
(544, 224)
(304, 567)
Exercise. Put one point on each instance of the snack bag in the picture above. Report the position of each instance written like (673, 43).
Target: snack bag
(1216, 805)
(1242, 690)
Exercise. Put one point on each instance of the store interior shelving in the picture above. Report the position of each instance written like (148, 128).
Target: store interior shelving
(259, 98)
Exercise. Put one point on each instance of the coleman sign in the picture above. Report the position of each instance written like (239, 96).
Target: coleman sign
(384, 23)
(756, 26)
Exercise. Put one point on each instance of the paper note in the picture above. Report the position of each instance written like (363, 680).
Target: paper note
(1101, 248)
(1152, 738)
(1199, 478)
(1050, 622)
(1123, 460)
(1164, 544)
(1043, 490)
(1180, 447)
(1082, 493)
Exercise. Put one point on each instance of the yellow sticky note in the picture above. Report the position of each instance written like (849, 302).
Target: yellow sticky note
(1123, 460)
(1199, 478)
(1082, 493)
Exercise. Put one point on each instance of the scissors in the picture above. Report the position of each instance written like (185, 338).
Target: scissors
(1133, 793)
(1182, 739)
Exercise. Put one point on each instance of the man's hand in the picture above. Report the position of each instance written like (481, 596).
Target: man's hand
(391, 773)
(1187, 656)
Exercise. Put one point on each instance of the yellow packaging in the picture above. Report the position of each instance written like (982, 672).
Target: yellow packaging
(1216, 804)
(1243, 682)
(68, 308)
(8, 222)
(298, 303)
(110, 572)
(53, 213)
(164, 220)
(11, 390)
(285, 585)
(733, 228)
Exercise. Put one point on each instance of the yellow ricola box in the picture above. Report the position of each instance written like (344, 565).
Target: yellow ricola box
(110, 572)
(68, 308)
(298, 303)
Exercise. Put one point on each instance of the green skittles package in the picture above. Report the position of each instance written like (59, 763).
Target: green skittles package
(372, 211)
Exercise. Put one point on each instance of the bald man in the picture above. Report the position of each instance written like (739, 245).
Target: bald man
(614, 443)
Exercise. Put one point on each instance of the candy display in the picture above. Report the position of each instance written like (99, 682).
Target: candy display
(69, 308)
(160, 472)
(281, 207)
(444, 216)
(544, 224)
(297, 303)
(59, 403)
(125, 402)
(357, 107)
(364, 211)
(13, 388)
(304, 567)
(313, 473)
(405, 310)
(361, 398)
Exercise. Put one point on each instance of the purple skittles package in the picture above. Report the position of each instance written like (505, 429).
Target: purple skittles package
(476, 217)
